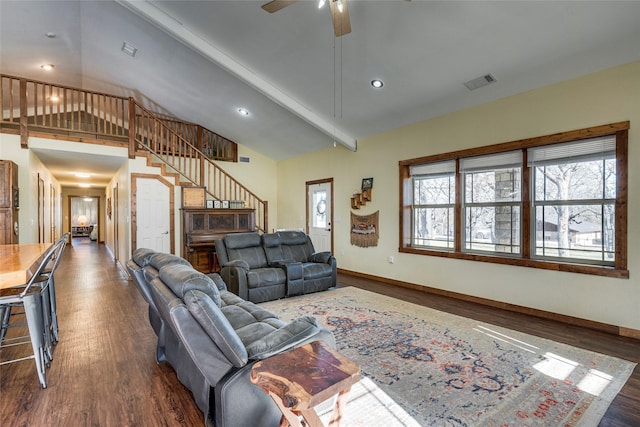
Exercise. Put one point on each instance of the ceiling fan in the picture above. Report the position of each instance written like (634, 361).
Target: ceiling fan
(338, 8)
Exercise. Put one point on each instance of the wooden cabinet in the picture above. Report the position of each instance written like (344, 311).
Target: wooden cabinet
(201, 227)
(9, 202)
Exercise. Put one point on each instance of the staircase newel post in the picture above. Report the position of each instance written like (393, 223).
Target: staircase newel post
(132, 128)
(24, 128)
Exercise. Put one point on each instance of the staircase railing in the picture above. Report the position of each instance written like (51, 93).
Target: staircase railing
(211, 144)
(30, 107)
(152, 134)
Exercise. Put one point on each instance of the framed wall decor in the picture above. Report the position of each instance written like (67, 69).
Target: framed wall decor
(217, 204)
(367, 183)
(225, 204)
(193, 197)
(209, 204)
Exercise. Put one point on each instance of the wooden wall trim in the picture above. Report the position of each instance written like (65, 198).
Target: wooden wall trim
(570, 320)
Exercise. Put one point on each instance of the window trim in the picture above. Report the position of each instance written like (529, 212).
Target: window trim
(619, 270)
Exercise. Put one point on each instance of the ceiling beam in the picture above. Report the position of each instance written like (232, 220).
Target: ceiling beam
(169, 24)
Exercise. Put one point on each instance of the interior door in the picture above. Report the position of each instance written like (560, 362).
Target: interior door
(319, 214)
(152, 215)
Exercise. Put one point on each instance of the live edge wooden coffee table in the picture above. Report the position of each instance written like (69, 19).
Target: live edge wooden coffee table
(304, 377)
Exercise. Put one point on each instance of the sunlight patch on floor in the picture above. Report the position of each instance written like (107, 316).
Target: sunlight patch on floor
(595, 382)
(368, 405)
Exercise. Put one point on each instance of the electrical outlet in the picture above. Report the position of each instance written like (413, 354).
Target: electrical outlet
(391, 260)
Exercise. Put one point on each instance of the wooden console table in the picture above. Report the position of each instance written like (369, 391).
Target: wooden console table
(304, 377)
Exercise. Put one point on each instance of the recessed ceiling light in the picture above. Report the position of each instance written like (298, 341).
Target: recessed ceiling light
(51, 35)
(243, 111)
(84, 185)
(377, 83)
(82, 174)
(47, 67)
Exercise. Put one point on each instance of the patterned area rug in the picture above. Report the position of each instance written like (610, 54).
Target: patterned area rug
(423, 367)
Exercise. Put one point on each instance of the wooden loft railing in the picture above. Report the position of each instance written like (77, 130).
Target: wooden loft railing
(36, 108)
(33, 107)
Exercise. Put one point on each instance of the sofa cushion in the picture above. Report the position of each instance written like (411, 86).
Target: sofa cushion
(282, 338)
(216, 325)
(217, 280)
(159, 260)
(246, 247)
(268, 276)
(272, 248)
(314, 270)
(296, 246)
(183, 278)
(141, 256)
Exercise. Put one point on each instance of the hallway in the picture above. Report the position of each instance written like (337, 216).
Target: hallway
(103, 372)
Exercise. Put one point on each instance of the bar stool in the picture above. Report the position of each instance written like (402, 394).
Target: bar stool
(30, 296)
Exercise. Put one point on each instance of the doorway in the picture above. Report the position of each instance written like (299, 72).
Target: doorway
(152, 213)
(84, 217)
(320, 214)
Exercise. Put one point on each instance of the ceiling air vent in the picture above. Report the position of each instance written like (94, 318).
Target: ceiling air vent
(242, 159)
(480, 81)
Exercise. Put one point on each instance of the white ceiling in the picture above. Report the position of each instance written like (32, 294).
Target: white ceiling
(304, 88)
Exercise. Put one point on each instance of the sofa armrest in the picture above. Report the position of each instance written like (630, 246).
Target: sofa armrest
(321, 257)
(234, 274)
(283, 339)
(294, 272)
(238, 263)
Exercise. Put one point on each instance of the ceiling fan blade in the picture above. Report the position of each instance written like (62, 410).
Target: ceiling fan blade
(341, 22)
(276, 5)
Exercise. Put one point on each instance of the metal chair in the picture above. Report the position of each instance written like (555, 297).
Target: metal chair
(49, 271)
(31, 296)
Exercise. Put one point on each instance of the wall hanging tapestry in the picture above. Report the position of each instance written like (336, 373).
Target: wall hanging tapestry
(364, 230)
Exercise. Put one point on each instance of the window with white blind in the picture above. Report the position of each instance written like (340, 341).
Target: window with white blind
(574, 197)
(556, 202)
(433, 204)
(492, 202)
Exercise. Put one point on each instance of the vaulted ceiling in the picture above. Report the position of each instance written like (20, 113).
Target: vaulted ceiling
(304, 88)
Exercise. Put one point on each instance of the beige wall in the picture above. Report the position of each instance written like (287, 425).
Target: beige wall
(30, 170)
(609, 96)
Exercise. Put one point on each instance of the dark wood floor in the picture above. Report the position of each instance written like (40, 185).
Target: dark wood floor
(104, 372)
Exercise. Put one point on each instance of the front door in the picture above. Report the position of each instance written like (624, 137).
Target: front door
(152, 215)
(319, 214)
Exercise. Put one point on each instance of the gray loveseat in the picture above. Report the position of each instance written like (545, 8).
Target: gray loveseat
(212, 337)
(266, 267)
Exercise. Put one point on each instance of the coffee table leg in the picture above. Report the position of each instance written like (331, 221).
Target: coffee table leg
(341, 402)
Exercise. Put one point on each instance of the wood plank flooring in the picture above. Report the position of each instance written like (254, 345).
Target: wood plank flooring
(104, 372)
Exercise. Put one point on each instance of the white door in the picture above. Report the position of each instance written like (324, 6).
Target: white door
(319, 218)
(152, 215)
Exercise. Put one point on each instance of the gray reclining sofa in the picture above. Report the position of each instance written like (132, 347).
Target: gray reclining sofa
(212, 337)
(267, 267)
